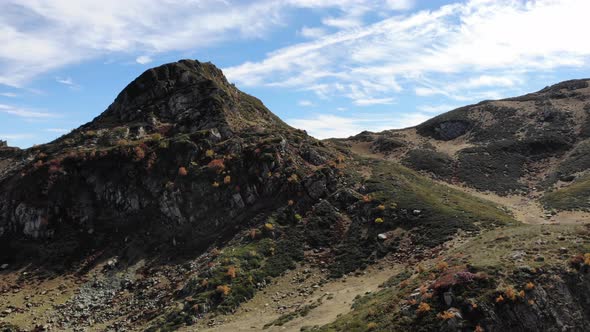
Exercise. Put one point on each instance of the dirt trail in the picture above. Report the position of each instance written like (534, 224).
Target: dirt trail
(335, 297)
(526, 209)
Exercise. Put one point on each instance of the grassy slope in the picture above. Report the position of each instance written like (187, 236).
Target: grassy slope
(490, 254)
(573, 197)
(443, 210)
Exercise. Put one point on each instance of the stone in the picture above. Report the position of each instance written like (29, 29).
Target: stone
(448, 298)
(518, 255)
(4, 266)
(382, 236)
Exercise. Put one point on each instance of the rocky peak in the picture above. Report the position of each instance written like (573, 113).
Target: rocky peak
(189, 96)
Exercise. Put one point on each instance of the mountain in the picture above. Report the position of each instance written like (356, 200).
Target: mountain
(513, 145)
(187, 204)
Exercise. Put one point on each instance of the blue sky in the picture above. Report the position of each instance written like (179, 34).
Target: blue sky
(333, 67)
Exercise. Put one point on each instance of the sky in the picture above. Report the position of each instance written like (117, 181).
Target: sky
(333, 67)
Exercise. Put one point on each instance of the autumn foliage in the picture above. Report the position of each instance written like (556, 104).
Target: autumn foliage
(231, 272)
(223, 290)
(216, 165)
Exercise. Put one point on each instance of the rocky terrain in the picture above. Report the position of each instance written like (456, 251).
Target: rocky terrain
(188, 205)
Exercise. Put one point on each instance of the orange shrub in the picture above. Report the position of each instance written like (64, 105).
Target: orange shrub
(445, 315)
(227, 179)
(182, 171)
(231, 272)
(423, 307)
(223, 289)
(529, 286)
(510, 293)
(216, 165)
(441, 266)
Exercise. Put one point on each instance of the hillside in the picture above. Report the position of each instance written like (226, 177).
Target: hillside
(188, 204)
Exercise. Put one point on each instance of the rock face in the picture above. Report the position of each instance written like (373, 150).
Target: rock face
(180, 153)
(561, 305)
(193, 95)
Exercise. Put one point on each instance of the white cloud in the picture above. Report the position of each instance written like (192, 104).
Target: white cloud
(330, 126)
(373, 101)
(143, 59)
(312, 33)
(16, 137)
(436, 108)
(487, 40)
(58, 130)
(305, 103)
(40, 36)
(65, 81)
(24, 113)
(8, 94)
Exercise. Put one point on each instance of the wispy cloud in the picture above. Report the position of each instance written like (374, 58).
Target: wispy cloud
(25, 113)
(305, 103)
(436, 108)
(312, 33)
(63, 34)
(484, 39)
(8, 94)
(16, 137)
(143, 59)
(373, 101)
(58, 130)
(65, 81)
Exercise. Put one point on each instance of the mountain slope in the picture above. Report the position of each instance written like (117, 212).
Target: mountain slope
(506, 146)
(186, 197)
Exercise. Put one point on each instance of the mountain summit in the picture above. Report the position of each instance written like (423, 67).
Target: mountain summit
(191, 95)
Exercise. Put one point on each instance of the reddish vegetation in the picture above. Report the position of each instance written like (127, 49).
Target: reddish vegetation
(54, 166)
(164, 129)
(216, 165)
(182, 171)
(455, 276)
(138, 153)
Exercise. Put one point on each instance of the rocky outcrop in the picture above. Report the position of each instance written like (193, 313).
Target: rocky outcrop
(180, 151)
